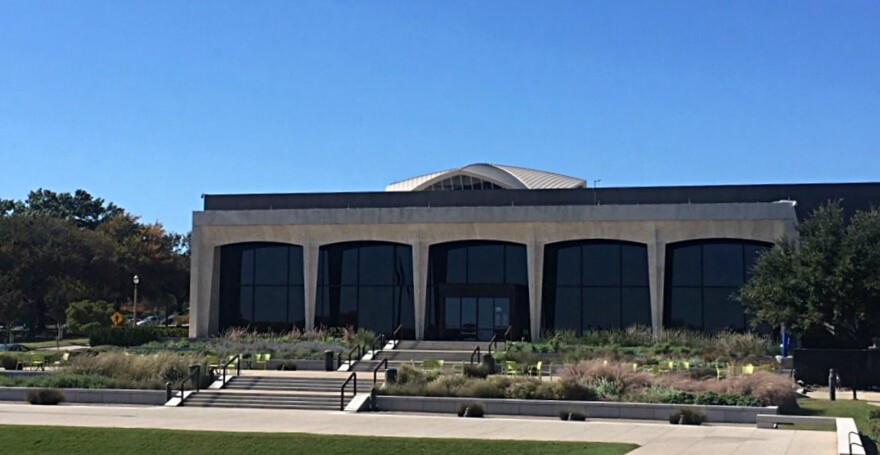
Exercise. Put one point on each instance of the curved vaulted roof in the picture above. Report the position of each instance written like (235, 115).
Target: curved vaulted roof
(487, 176)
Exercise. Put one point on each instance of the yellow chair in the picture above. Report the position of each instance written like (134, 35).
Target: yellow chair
(37, 361)
(511, 368)
(686, 365)
(748, 369)
(64, 360)
(262, 359)
(431, 364)
(635, 367)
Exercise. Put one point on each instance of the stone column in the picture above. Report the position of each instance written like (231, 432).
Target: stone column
(310, 281)
(420, 251)
(535, 258)
(656, 281)
(204, 272)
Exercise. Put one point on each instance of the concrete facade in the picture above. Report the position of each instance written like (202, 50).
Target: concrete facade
(655, 226)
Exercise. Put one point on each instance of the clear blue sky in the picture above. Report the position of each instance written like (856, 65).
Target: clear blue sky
(150, 104)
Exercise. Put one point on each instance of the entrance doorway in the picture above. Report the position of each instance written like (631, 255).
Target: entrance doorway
(476, 318)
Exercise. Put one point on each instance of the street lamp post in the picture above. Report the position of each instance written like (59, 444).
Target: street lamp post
(134, 320)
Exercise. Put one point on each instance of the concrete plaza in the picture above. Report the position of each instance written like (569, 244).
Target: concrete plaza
(654, 438)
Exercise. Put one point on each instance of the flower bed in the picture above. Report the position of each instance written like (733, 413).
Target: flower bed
(598, 381)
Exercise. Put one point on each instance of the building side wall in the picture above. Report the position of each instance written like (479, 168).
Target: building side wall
(655, 226)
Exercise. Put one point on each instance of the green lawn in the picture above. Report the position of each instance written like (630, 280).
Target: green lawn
(68, 440)
(52, 343)
(858, 410)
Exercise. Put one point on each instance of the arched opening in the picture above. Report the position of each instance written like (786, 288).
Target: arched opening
(702, 278)
(477, 289)
(595, 284)
(261, 286)
(366, 285)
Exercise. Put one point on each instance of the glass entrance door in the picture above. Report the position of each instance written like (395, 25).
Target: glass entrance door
(476, 318)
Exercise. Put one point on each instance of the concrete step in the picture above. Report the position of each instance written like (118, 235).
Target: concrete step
(444, 345)
(264, 401)
(292, 384)
(418, 356)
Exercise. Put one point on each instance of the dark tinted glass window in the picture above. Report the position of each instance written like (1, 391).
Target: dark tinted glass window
(568, 269)
(687, 308)
(601, 265)
(568, 309)
(602, 283)
(516, 263)
(636, 306)
(721, 310)
(456, 265)
(247, 267)
(486, 264)
(722, 265)
(366, 285)
(702, 280)
(271, 304)
(349, 266)
(601, 308)
(257, 282)
(377, 264)
(295, 267)
(687, 266)
(271, 266)
(634, 267)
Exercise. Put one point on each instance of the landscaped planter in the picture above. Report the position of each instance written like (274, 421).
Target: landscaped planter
(105, 396)
(552, 408)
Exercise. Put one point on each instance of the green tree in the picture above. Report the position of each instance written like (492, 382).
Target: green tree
(12, 303)
(827, 280)
(87, 315)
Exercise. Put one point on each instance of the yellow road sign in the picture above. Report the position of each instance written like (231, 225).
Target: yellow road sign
(117, 318)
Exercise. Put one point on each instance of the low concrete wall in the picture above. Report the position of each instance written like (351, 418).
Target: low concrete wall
(106, 396)
(552, 408)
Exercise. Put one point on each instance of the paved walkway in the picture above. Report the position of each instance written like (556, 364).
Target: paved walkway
(654, 438)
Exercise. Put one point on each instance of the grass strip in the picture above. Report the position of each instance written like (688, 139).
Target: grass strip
(22, 439)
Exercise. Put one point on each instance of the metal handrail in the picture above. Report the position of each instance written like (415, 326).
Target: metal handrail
(395, 336)
(378, 367)
(493, 341)
(851, 443)
(476, 352)
(197, 372)
(352, 376)
(350, 352)
(507, 334)
(379, 342)
(237, 359)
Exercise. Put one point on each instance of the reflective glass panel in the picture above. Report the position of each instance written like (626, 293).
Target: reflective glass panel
(453, 313)
(601, 308)
(247, 267)
(721, 310)
(271, 265)
(568, 270)
(456, 266)
(601, 265)
(636, 307)
(486, 264)
(377, 264)
(568, 309)
(295, 266)
(686, 266)
(722, 265)
(634, 268)
(687, 308)
(270, 304)
(516, 265)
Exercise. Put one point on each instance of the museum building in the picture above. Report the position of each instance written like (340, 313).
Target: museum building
(466, 253)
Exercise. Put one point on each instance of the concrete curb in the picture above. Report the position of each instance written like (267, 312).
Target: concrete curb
(552, 408)
(99, 396)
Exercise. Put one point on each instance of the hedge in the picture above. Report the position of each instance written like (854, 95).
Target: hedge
(133, 336)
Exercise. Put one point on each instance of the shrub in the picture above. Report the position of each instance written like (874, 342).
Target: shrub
(874, 420)
(687, 416)
(476, 371)
(86, 315)
(45, 396)
(522, 390)
(134, 371)
(8, 362)
(122, 336)
(572, 415)
(478, 388)
(471, 410)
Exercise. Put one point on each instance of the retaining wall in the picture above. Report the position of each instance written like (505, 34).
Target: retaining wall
(552, 408)
(103, 396)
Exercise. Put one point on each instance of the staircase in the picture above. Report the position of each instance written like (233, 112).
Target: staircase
(414, 352)
(267, 392)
